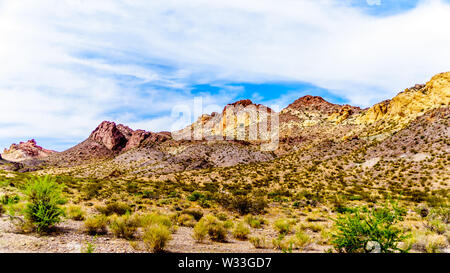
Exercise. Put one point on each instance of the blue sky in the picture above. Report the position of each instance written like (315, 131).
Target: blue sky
(68, 65)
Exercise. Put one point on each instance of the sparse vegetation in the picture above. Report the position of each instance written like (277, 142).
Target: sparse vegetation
(156, 237)
(211, 226)
(356, 230)
(124, 226)
(44, 199)
(75, 212)
(241, 231)
(96, 224)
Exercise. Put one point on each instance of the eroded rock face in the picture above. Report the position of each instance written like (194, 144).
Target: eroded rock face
(136, 138)
(235, 119)
(312, 103)
(109, 135)
(411, 103)
(119, 137)
(24, 151)
(125, 130)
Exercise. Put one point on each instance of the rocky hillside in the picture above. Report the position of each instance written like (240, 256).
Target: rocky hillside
(309, 123)
(106, 141)
(25, 151)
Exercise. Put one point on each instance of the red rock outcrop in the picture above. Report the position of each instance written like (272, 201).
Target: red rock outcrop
(109, 135)
(313, 103)
(122, 138)
(239, 105)
(24, 151)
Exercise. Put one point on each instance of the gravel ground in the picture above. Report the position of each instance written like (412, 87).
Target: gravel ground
(69, 238)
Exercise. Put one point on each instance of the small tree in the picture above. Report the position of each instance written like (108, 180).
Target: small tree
(355, 230)
(44, 196)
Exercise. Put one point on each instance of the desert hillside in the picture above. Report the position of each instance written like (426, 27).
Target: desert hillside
(331, 160)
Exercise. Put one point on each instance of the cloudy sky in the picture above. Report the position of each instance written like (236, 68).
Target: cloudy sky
(68, 65)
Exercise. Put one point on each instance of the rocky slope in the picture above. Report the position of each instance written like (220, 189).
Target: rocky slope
(308, 123)
(25, 151)
(105, 142)
(393, 115)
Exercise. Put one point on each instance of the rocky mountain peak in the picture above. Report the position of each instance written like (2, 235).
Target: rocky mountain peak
(309, 102)
(410, 103)
(241, 104)
(122, 138)
(109, 135)
(25, 150)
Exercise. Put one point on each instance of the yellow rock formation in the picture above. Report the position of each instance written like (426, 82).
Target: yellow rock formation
(410, 103)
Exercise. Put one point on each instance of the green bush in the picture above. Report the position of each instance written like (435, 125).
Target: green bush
(7, 199)
(245, 204)
(212, 226)
(301, 239)
(254, 221)
(258, 241)
(356, 230)
(155, 218)
(197, 214)
(156, 236)
(124, 226)
(186, 220)
(195, 196)
(96, 224)
(200, 231)
(283, 226)
(118, 208)
(44, 196)
(75, 213)
(241, 231)
(438, 219)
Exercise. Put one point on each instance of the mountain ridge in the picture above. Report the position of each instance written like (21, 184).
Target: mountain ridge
(307, 121)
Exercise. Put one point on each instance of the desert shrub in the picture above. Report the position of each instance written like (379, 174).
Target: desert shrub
(427, 242)
(241, 231)
(197, 214)
(437, 220)
(156, 236)
(75, 212)
(356, 230)
(214, 227)
(222, 216)
(283, 226)
(436, 225)
(2, 210)
(254, 221)
(435, 243)
(301, 239)
(195, 196)
(118, 208)
(7, 199)
(186, 220)
(277, 242)
(96, 224)
(89, 247)
(245, 204)
(124, 226)
(44, 196)
(200, 232)
(91, 190)
(258, 241)
(228, 224)
(242, 203)
(314, 227)
(155, 218)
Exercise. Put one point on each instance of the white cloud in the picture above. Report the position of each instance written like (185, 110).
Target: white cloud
(49, 87)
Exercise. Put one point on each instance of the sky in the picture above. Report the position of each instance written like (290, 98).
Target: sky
(68, 65)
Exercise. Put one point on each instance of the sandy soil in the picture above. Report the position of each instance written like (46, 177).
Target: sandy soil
(70, 238)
